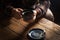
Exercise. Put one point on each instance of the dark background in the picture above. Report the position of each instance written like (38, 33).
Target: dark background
(55, 7)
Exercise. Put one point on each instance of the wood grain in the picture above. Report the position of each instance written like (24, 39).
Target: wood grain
(51, 29)
(17, 27)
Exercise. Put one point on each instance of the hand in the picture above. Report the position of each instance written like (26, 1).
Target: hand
(17, 12)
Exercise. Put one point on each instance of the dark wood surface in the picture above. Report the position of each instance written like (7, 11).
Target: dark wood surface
(17, 27)
(51, 29)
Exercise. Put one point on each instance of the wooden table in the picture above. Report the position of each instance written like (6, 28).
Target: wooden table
(14, 29)
(51, 29)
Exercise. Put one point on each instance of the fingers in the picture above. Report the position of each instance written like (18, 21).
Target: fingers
(17, 12)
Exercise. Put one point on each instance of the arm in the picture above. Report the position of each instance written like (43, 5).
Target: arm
(49, 15)
(44, 5)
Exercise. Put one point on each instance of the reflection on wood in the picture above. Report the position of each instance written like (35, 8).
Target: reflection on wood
(12, 30)
(51, 29)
